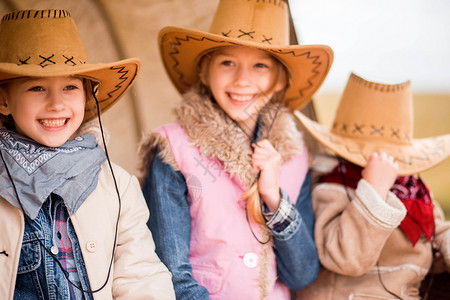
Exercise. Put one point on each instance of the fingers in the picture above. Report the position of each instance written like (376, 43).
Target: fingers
(263, 144)
(265, 156)
(263, 149)
(385, 157)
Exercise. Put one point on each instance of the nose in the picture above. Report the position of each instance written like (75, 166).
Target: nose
(55, 101)
(242, 76)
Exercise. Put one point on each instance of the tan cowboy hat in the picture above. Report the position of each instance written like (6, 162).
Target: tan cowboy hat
(254, 23)
(378, 117)
(46, 43)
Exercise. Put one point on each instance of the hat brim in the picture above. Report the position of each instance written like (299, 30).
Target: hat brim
(182, 48)
(420, 155)
(114, 78)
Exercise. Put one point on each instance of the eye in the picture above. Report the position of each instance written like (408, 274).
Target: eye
(71, 87)
(261, 66)
(227, 63)
(36, 89)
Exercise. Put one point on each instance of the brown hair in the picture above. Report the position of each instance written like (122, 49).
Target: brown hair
(88, 84)
(6, 121)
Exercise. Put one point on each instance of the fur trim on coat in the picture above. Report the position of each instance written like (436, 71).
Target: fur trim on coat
(218, 137)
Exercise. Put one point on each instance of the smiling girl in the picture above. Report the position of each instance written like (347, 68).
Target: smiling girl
(61, 199)
(46, 109)
(227, 183)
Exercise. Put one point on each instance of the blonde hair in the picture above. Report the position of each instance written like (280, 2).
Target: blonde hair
(253, 199)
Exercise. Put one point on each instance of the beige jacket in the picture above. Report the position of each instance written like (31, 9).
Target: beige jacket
(137, 272)
(352, 237)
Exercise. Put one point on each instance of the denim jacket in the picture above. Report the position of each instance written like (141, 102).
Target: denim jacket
(165, 191)
(39, 276)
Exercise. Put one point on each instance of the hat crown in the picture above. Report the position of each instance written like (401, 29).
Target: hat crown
(43, 38)
(253, 20)
(375, 111)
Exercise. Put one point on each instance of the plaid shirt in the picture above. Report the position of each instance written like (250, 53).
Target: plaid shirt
(65, 251)
(283, 217)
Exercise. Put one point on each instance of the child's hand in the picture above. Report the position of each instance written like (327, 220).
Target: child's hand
(266, 159)
(380, 172)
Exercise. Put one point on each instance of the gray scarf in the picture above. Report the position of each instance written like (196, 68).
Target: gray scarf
(70, 171)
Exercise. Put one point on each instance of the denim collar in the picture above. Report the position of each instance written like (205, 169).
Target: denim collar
(70, 171)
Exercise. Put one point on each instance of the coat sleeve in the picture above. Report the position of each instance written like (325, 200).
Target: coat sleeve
(296, 255)
(165, 191)
(442, 231)
(352, 226)
(138, 272)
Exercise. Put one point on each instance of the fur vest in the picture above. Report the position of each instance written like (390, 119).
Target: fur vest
(218, 137)
(203, 125)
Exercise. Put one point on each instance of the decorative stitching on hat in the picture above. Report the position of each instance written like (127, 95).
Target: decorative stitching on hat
(377, 130)
(118, 86)
(387, 88)
(42, 63)
(266, 40)
(358, 128)
(69, 60)
(407, 136)
(24, 62)
(439, 145)
(27, 14)
(175, 51)
(226, 34)
(179, 40)
(314, 71)
(275, 2)
(49, 61)
(395, 133)
(249, 33)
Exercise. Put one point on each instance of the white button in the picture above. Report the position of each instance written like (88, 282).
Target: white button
(91, 246)
(54, 250)
(250, 260)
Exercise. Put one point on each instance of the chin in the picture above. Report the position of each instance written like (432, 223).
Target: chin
(53, 143)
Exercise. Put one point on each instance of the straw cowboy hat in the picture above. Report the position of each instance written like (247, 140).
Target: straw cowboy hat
(45, 43)
(378, 117)
(254, 23)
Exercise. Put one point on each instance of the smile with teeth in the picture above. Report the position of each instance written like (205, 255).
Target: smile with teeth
(241, 98)
(53, 122)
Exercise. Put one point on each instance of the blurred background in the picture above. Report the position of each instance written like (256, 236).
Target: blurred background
(388, 41)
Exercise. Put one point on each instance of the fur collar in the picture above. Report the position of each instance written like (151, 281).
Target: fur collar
(218, 137)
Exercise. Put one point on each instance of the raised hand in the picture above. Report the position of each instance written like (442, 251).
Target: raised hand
(380, 171)
(266, 159)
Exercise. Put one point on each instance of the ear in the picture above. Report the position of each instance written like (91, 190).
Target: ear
(4, 108)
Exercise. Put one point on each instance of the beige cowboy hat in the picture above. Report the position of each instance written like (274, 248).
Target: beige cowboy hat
(254, 23)
(46, 43)
(373, 117)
